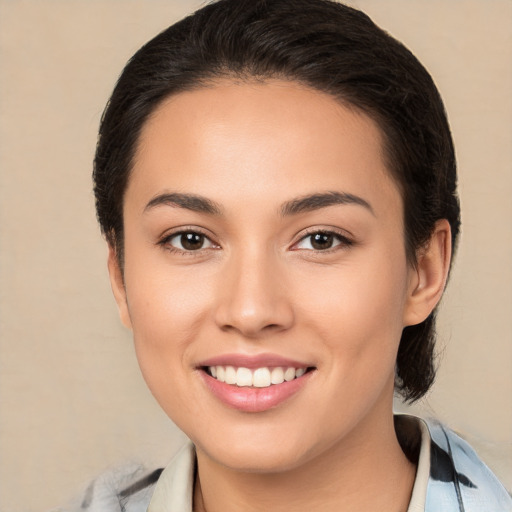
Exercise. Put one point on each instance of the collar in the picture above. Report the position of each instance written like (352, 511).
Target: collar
(449, 476)
(419, 490)
(175, 488)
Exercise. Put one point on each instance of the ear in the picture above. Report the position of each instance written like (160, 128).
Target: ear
(118, 288)
(428, 279)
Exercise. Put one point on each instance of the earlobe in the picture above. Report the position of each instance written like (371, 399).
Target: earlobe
(428, 278)
(118, 287)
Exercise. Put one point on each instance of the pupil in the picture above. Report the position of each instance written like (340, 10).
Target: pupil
(322, 241)
(192, 241)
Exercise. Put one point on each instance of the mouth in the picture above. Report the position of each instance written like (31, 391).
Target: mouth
(262, 377)
(254, 384)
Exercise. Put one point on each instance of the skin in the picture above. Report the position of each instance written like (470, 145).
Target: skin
(257, 286)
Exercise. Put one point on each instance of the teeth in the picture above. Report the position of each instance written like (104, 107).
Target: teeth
(258, 378)
(243, 377)
(261, 378)
(277, 376)
(300, 372)
(289, 374)
(230, 375)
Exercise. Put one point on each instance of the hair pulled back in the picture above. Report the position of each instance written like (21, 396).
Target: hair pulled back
(324, 45)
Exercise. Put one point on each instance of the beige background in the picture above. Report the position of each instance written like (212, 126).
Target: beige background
(72, 401)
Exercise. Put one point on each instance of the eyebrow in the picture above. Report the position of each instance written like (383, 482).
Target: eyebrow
(188, 201)
(303, 204)
(317, 201)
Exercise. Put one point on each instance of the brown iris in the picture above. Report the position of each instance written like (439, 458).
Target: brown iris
(321, 241)
(192, 241)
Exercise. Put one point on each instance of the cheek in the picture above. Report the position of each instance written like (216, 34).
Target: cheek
(167, 309)
(166, 317)
(357, 309)
(162, 297)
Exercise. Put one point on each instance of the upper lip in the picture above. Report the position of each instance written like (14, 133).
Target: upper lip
(253, 361)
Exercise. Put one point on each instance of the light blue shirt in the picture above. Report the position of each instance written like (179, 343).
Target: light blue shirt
(449, 478)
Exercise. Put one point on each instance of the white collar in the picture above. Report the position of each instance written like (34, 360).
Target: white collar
(174, 490)
(419, 490)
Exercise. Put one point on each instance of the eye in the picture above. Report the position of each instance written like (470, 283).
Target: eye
(188, 241)
(322, 241)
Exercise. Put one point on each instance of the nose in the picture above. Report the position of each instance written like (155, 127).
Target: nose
(253, 298)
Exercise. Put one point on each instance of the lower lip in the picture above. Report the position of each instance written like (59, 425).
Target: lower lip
(249, 399)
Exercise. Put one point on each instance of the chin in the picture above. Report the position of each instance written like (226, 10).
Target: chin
(249, 458)
(258, 450)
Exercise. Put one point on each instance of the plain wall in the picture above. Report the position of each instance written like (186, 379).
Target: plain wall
(72, 401)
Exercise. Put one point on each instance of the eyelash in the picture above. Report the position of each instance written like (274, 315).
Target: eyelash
(165, 242)
(343, 241)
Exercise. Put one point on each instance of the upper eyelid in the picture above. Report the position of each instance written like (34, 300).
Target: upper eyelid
(328, 230)
(181, 233)
(168, 234)
(338, 232)
(345, 241)
(164, 242)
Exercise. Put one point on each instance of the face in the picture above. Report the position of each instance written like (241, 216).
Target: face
(264, 247)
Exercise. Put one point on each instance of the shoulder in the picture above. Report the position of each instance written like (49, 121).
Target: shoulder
(128, 489)
(458, 475)
(135, 489)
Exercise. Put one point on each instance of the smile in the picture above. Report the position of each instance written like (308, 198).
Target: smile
(259, 377)
(254, 383)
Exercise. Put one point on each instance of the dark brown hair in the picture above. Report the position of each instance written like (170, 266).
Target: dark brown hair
(324, 45)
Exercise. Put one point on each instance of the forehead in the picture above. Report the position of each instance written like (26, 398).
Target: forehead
(255, 140)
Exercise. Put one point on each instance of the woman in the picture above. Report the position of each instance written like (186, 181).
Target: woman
(276, 183)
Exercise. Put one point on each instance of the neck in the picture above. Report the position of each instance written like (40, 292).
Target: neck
(366, 470)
